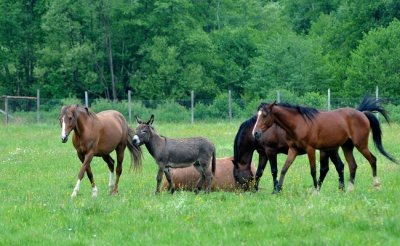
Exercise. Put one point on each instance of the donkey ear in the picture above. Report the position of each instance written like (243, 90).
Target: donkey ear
(139, 121)
(151, 120)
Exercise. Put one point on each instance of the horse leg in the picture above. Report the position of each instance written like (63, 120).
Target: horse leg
(262, 162)
(161, 167)
(167, 173)
(86, 159)
(90, 176)
(335, 158)
(289, 160)
(120, 158)
(372, 161)
(110, 162)
(324, 167)
(313, 169)
(348, 154)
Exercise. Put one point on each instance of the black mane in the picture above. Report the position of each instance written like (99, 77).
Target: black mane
(246, 124)
(307, 112)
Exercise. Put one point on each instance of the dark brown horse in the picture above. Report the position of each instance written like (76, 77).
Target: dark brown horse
(177, 153)
(271, 143)
(186, 178)
(309, 129)
(98, 135)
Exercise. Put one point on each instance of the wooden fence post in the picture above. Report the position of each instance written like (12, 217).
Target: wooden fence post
(38, 106)
(192, 106)
(129, 106)
(230, 104)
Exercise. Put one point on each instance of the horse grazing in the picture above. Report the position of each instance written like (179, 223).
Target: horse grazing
(98, 135)
(177, 153)
(223, 180)
(309, 129)
(271, 143)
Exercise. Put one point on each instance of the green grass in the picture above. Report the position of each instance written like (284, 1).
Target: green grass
(38, 173)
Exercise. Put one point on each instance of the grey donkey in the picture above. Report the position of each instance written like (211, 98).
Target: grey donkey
(177, 153)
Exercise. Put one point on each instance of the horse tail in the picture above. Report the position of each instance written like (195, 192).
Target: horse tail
(213, 164)
(135, 151)
(369, 106)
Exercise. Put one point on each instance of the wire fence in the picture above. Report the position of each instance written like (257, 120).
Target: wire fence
(28, 110)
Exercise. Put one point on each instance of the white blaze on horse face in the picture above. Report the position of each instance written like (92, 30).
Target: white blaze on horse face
(63, 133)
(258, 117)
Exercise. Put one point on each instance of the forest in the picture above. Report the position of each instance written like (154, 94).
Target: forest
(164, 49)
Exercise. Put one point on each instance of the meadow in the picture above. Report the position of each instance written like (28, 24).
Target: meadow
(38, 173)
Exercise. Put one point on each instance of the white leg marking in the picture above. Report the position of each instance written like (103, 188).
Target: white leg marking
(351, 187)
(94, 191)
(76, 189)
(376, 182)
(111, 182)
(258, 117)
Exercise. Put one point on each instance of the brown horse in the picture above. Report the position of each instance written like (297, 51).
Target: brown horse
(186, 178)
(309, 129)
(271, 143)
(98, 135)
(177, 153)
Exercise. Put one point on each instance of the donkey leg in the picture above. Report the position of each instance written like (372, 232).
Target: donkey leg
(85, 164)
(289, 160)
(348, 154)
(202, 178)
(167, 172)
(160, 173)
(110, 162)
(120, 158)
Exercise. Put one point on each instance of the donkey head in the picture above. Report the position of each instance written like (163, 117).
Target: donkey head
(143, 131)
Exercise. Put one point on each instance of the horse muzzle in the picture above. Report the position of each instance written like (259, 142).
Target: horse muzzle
(64, 139)
(257, 135)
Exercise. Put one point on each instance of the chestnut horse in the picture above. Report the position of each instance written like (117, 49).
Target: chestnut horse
(98, 135)
(309, 129)
(271, 143)
(178, 153)
(223, 180)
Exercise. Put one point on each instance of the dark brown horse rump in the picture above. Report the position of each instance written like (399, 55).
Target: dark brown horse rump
(98, 135)
(178, 153)
(186, 178)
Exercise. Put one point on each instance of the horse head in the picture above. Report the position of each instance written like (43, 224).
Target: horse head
(69, 118)
(143, 131)
(264, 119)
(242, 174)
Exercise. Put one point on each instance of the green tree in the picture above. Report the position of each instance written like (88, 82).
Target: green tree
(376, 62)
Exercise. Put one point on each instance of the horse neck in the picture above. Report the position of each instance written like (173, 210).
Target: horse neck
(83, 123)
(244, 146)
(283, 117)
(155, 143)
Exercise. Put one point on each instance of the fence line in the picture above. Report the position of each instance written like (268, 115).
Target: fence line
(194, 109)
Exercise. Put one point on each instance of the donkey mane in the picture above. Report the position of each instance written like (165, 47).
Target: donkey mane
(306, 112)
(248, 123)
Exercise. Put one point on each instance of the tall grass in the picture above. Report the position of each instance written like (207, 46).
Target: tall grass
(38, 173)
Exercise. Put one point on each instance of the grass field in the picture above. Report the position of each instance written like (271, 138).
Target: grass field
(38, 173)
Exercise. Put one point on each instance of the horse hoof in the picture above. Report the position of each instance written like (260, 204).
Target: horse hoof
(276, 192)
(350, 188)
(172, 191)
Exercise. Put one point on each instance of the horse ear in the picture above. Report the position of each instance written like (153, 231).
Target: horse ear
(87, 110)
(151, 120)
(139, 121)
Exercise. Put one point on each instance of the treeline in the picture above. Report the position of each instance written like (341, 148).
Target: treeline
(164, 49)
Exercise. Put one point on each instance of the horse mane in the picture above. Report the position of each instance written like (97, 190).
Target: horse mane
(307, 113)
(247, 123)
(88, 111)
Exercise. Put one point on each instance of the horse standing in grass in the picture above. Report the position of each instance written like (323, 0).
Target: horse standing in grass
(177, 153)
(309, 129)
(98, 135)
(271, 143)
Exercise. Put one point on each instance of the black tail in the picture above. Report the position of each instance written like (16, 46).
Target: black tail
(369, 106)
(135, 151)
(213, 164)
